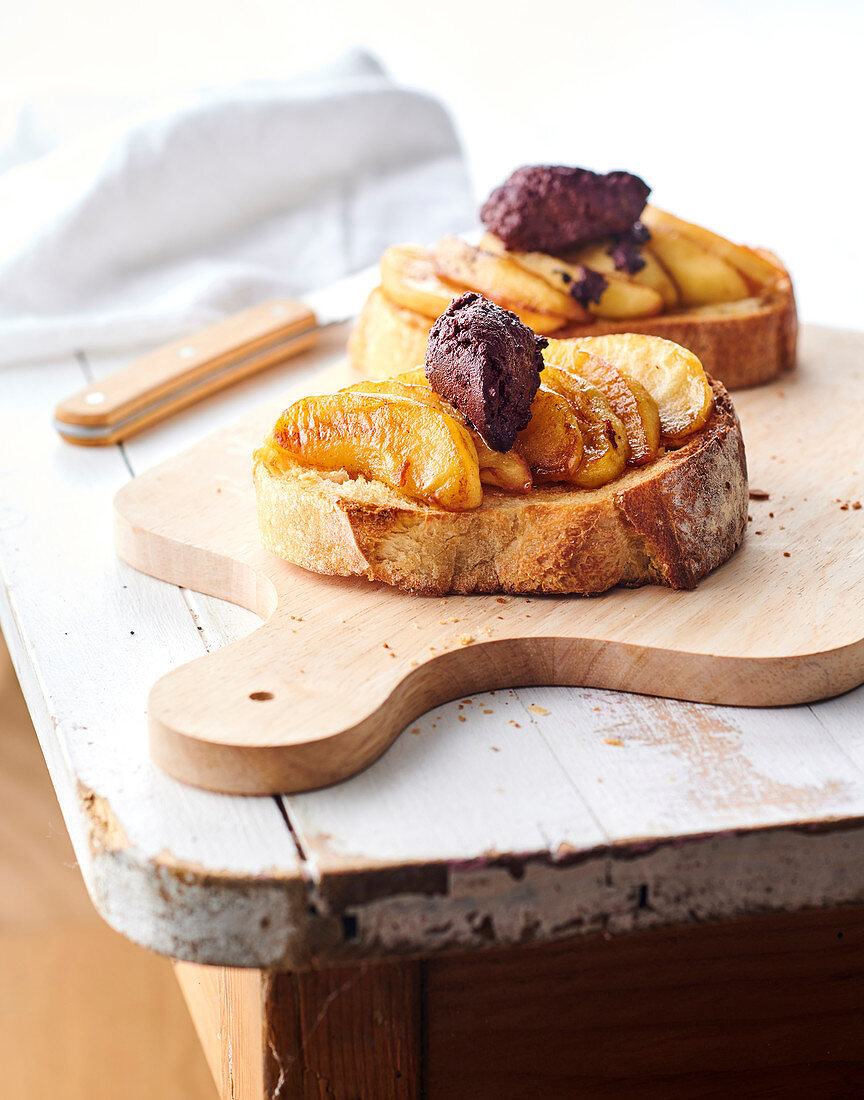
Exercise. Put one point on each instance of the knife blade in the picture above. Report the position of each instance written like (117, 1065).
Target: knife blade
(160, 383)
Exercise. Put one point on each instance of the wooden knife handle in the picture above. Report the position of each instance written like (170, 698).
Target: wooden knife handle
(179, 374)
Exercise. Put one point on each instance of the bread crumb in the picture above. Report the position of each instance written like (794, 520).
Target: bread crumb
(464, 639)
(535, 709)
(614, 741)
(494, 748)
(759, 494)
(757, 532)
(414, 664)
(415, 729)
(462, 718)
(786, 554)
(500, 599)
(467, 700)
(486, 710)
(516, 724)
(856, 504)
(844, 507)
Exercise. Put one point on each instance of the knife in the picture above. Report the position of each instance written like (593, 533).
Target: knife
(152, 388)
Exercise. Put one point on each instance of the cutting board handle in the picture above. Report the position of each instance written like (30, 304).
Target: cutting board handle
(179, 374)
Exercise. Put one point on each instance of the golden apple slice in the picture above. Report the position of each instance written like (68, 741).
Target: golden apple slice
(416, 377)
(564, 358)
(503, 470)
(409, 279)
(621, 298)
(653, 275)
(755, 269)
(551, 443)
(501, 280)
(672, 375)
(408, 446)
(557, 274)
(649, 413)
(604, 438)
(702, 277)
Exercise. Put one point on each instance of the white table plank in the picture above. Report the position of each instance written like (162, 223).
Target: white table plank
(168, 865)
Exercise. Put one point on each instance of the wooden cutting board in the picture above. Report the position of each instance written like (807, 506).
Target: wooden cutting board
(340, 666)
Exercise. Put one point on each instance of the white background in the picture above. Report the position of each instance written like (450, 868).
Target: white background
(744, 116)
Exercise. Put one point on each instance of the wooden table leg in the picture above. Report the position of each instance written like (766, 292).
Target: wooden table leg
(769, 1006)
(350, 1032)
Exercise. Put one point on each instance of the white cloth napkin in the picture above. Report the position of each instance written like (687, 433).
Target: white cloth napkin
(140, 232)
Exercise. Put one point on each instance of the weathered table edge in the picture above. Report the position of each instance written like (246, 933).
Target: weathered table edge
(283, 922)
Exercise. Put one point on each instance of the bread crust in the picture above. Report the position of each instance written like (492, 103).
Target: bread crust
(669, 523)
(746, 344)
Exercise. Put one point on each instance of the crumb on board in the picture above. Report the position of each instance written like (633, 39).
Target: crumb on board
(494, 748)
(613, 741)
(488, 710)
(516, 724)
(464, 639)
(786, 554)
(759, 494)
(536, 709)
(415, 729)
(462, 718)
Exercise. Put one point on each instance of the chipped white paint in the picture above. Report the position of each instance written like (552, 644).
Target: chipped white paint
(706, 879)
(557, 772)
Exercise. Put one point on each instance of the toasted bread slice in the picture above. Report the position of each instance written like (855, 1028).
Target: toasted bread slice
(669, 523)
(743, 343)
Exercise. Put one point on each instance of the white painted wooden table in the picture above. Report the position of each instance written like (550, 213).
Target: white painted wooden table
(513, 816)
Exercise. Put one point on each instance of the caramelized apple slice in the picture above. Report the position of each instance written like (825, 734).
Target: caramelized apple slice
(551, 444)
(418, 449)
(564, 357)
(416, 377)
(702, 277)
(507, 470)
(653, 275)
(557, 274)
(621, 298)
(604, 440)
(409, 279)
(671, 374)
(758, 272)
(504, 282)
(649, 413)
(504, 471)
